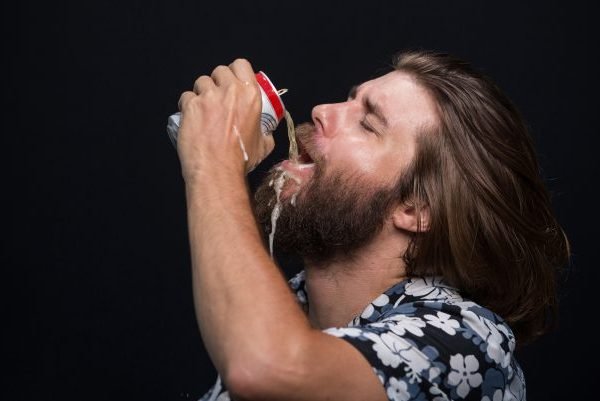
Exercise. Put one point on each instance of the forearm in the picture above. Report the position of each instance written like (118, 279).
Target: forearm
(244, 307)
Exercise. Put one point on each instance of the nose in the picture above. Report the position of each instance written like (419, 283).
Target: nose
(327, 117)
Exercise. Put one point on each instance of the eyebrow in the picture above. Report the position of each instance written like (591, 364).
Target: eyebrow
(371, 107)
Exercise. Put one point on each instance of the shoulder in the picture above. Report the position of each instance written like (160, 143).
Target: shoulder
(424, 334)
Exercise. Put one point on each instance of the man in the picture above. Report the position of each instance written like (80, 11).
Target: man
(427, 235)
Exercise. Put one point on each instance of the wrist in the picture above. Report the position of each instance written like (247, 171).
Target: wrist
(216, 173)
(218, 185)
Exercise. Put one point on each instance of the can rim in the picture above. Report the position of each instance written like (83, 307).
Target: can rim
(269, 89)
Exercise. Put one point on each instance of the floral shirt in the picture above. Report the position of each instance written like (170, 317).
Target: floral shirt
(426, 342)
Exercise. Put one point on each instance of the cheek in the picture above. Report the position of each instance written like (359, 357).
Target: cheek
(361, 161)
(380, 165)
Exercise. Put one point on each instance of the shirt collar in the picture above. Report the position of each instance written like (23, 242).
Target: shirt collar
(432, 289)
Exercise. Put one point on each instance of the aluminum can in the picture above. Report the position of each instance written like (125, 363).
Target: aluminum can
(270, 116)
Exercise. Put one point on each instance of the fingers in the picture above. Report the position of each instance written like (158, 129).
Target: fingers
(242, 69)
(184, 99)
(239, 70)
(223, 76)
(203, 84)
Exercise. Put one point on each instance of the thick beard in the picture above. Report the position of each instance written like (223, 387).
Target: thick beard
(334, 215)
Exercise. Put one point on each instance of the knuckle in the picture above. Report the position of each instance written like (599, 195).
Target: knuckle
(184, 100)
(200, 81)
(196, 102)
(234, 89)
(254, 93)
(219, 68)
(250, 92)
(241, 61)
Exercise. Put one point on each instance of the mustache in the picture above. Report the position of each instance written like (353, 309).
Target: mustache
(305, 140)
(304, 129)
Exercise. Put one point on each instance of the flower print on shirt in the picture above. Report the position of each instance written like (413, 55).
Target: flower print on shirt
(494, 339)
(371, 312)
(398, 390)
(401, 324)
(465, 374)
(424, 341)
(430, 288)
(442, 321)
(496, 397)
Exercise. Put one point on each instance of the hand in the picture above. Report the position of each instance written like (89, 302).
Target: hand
(220, 120)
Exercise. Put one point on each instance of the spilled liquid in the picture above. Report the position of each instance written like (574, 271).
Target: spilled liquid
(239, 137)
(277, 183)
(277, 186)
(293, 151)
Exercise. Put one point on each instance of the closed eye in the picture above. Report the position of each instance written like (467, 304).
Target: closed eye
(367, 127)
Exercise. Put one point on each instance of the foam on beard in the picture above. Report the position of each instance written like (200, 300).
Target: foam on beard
(301, 160)
(277, 185)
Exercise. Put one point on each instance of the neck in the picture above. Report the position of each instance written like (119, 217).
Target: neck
(339, 289)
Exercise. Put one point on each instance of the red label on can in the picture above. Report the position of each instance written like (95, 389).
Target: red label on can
(270, 91)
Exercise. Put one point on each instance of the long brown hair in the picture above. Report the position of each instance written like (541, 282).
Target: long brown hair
(492, 232)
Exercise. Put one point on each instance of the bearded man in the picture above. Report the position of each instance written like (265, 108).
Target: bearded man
(429, 243)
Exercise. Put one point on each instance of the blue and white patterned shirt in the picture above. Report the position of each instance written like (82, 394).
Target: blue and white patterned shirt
(426, 342)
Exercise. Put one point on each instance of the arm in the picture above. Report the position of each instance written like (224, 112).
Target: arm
(256, 334)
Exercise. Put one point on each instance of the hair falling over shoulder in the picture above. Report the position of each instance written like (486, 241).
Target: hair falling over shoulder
(492, 232)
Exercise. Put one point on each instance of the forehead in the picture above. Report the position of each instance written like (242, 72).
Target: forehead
(403, 101)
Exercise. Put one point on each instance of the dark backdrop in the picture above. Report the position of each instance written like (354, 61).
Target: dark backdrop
(95, 257)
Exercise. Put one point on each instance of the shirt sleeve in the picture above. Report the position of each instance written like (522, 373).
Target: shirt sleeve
(216, 393)
(406, 369)
(438, 354)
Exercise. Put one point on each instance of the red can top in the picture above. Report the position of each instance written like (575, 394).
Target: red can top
(269, 89)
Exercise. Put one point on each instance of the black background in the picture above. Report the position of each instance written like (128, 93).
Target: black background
(95, 255)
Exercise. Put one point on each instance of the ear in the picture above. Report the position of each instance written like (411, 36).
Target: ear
(406, 217)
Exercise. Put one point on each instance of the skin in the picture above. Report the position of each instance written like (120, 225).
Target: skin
(260, 341)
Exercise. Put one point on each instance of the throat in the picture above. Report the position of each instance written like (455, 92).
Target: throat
(341, 290)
